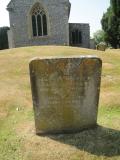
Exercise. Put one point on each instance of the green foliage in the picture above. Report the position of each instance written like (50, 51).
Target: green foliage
(111, 24)
(9, 142)
(99, 36)
(115, 4)
(3, 38)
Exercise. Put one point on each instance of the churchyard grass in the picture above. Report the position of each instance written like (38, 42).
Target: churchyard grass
(17, 136)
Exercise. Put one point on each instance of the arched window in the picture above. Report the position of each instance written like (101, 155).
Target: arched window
(39, 21)
(76, 37)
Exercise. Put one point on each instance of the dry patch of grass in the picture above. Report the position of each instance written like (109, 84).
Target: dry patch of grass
(17, 135)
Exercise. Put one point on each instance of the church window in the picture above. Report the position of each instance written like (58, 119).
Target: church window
(73, 37)
(39, 22)
(34, 25)
(80, 37)
(44, 25)
(76, 37)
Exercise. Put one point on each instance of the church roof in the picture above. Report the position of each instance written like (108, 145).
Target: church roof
(10, 5)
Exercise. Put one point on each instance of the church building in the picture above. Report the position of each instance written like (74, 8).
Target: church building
(44, 22)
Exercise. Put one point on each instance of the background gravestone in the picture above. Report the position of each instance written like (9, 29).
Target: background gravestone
(65, 93)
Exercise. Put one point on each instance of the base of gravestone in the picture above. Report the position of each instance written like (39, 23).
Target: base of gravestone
(75, 131)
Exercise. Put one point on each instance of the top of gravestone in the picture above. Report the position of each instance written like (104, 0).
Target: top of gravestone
(65, 57)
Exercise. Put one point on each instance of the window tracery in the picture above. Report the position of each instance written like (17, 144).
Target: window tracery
(39, 21)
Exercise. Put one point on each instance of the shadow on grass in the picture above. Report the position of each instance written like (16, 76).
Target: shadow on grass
(100, 141)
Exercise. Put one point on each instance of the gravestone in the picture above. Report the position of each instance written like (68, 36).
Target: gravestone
(102, 46)
(65, 93)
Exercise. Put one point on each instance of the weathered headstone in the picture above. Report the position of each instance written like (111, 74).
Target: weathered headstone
(102, 46)
(65, 93)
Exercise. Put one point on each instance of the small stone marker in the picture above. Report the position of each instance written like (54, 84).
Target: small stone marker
(65, 93)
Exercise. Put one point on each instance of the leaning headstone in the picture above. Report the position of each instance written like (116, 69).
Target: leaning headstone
(65, 93)
(102, 46)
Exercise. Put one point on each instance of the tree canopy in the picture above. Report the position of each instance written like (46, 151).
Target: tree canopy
(99, 36)
(111, 24)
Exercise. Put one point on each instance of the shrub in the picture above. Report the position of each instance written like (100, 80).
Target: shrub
(3, 38)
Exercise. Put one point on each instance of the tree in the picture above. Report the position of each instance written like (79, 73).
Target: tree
(99, 36)
(3, 38)
(111, 24)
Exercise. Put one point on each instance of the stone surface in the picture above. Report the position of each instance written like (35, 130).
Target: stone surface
(85, 33)
(57, 12)
(65, 93)
(102, 46)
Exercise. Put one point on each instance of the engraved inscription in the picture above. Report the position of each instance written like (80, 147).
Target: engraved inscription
(65, 93)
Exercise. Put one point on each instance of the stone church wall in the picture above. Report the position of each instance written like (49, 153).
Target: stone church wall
(57, 17)
(59, 30)
(84, 28)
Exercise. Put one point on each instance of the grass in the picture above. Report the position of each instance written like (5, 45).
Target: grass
(17, 137)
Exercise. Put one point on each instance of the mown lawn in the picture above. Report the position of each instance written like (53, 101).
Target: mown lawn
(17, 136)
